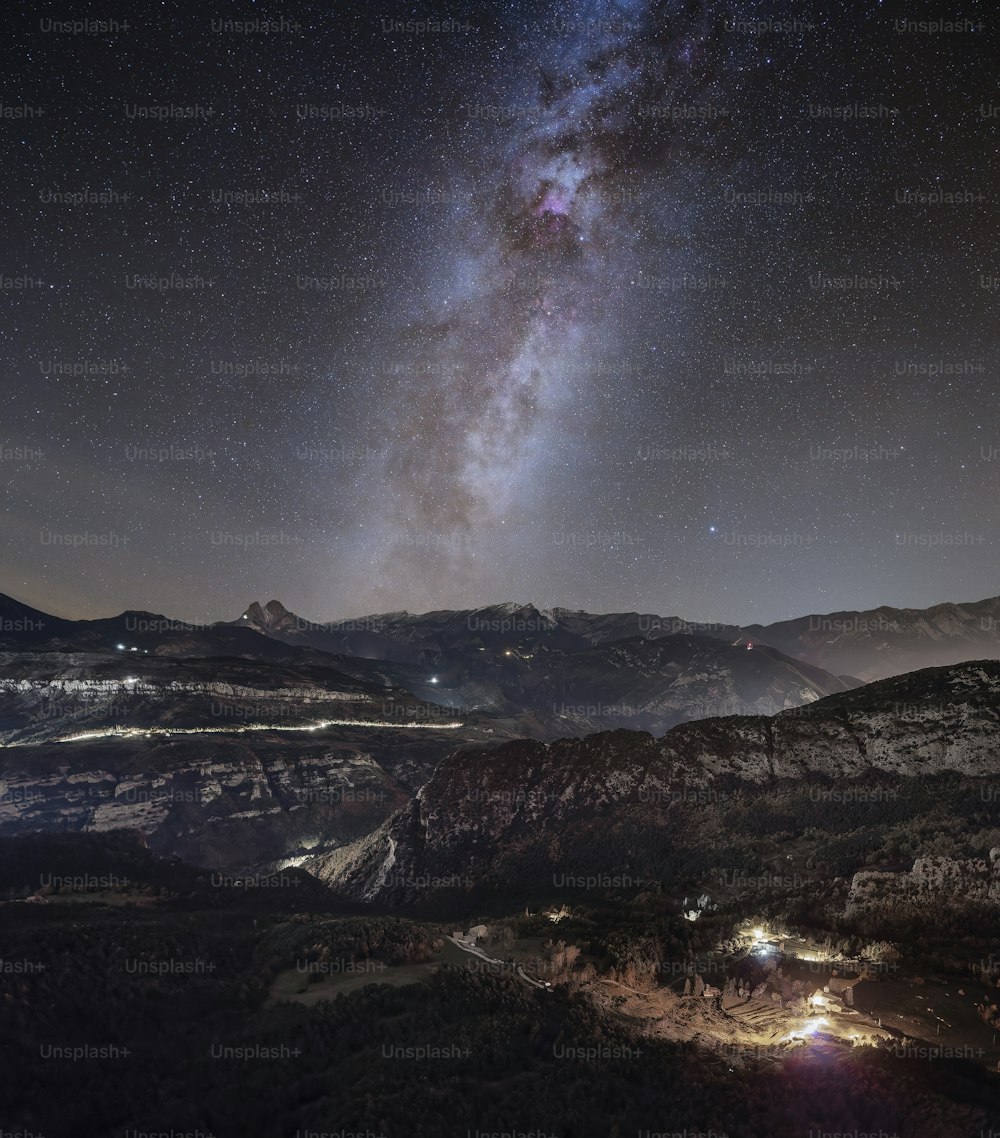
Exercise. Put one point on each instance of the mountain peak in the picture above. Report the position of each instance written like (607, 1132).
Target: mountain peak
(267, 616)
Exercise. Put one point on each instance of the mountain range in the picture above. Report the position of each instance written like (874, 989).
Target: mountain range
(868, 644)
(550, 672)
(268, 740)
(871, 644)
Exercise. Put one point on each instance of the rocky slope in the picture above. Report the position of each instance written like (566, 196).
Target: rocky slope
(933, 881)
(609, 806)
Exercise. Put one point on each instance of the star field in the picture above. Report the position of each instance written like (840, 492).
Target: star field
(637, 305)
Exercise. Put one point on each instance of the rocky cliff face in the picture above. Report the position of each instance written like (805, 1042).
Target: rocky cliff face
(271, 618)
(488, 814)
(235, 801)
(933, 881)
(222, 761)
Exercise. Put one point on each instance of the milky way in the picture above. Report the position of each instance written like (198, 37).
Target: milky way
(491, 388)
(648, 306)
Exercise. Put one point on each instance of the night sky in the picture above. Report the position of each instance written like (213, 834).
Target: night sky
(609, 306)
